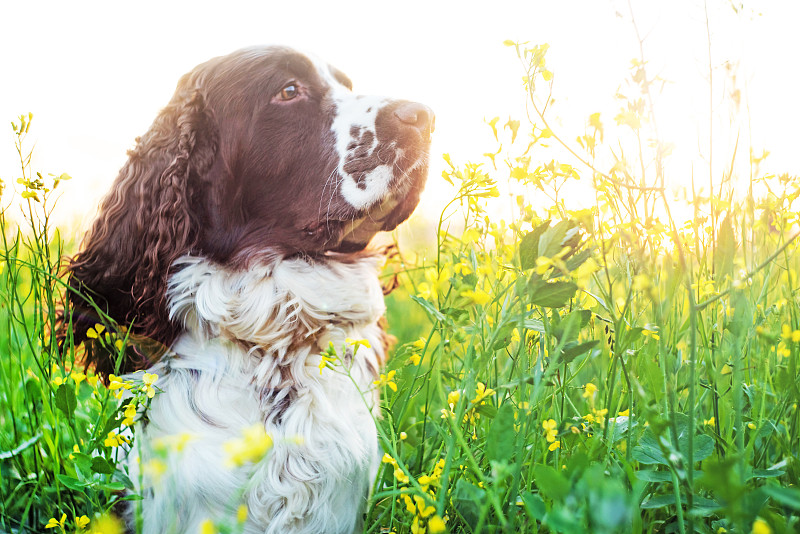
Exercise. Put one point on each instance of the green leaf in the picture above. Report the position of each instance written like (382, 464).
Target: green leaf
(785, 496)
(553, 239)
(100, 465)
(429, 308)
(659, 501)
(502, 337)
(648, 451)
(529, 246)
(726, 248)
(578, 259)
(72, 483)
(502, 436)
(551, 294)
(65, 399)
(572, 351)
(469, 500)
(551, 483)
(534, 505)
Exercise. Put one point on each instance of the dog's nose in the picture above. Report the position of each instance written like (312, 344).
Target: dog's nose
(417, 115)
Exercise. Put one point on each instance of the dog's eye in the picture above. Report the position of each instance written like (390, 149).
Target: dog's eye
(289, 92)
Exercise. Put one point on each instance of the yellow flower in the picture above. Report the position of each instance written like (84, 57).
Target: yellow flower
(589, 390)
(709, 422)
(78, 378)
(387, 459)
(403, 436)
(761, 527)
(555, 445)
(52, 523)
(107, 524)
(436, 525)
(155, 468)
(651, 333)
(81, 522)
(207, 527)
(414, 359)
(481, 392)
(241, 513)
(130, 414)
(115, 382)
(148, 379)
(452, 399)
(550, 430)
(251, 447)
(400, 476)
(387, 380)
(356, 343)
(477, 296)
(625, 413)
(94, 332)
(115, 440)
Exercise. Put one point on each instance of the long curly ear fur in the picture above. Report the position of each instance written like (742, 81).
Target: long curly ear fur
(148, 219)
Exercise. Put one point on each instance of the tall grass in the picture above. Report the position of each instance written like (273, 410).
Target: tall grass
(607, 369)
(631, 373)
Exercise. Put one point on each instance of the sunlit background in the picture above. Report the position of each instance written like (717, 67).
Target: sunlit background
(94, 74)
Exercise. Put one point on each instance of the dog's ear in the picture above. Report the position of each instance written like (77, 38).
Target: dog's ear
(148, 219)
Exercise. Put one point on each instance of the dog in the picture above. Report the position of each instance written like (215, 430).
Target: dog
(231, 252)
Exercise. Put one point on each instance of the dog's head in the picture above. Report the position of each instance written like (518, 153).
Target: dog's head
(263, 153)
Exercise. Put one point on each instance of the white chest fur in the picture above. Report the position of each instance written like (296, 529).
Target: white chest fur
(250, 355)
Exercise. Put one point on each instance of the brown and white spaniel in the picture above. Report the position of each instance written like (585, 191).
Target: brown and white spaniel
(230, 250)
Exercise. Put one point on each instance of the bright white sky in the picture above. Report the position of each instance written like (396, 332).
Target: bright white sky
(95, 73)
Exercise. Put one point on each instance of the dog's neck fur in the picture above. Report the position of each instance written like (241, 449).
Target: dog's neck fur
(239, 363)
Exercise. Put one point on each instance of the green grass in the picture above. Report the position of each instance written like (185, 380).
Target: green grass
(606, 369)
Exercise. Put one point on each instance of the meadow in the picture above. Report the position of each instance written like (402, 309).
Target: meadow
(604, 369)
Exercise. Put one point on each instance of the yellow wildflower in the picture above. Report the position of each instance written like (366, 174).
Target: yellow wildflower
(482, 392)
(251, 447)
(94, 332)
(241, 513)
(647, 332)
(130, 414)
(400, 476)
(207, 527)
(77, 378)
(115, 382)
(477, 296)
(589, 390)
(555, 445)
(452, 399)
(414, 359)
(761, 527)
(52, 523)
(107, 524)
(81, 522)
(550, 429)
(387, 380)
(356, 343)
(148, 379)
(115, 440)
